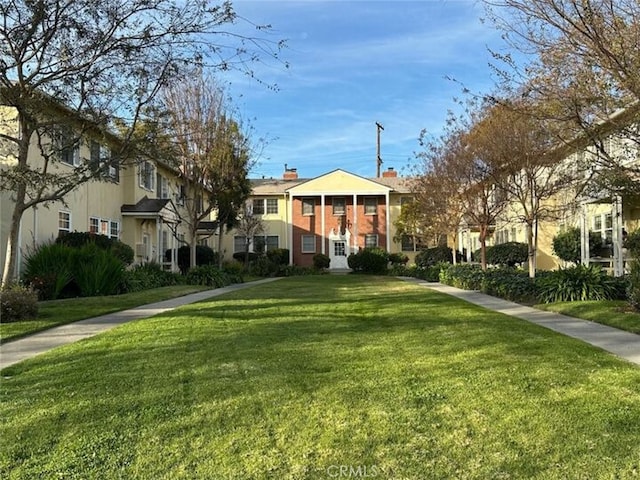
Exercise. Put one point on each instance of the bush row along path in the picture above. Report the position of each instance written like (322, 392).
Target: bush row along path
(623, 344)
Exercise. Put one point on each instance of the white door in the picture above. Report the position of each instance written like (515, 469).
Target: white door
(338, 255)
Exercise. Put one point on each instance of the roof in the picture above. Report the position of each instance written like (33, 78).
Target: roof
(146, 205)
(275, 186)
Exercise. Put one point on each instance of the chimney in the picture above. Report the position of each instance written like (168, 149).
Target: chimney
(290, 173)
(390, 173)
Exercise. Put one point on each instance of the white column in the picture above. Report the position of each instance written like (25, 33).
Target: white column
(354, 228)
(323, 234)
(290, 228)
(388, 221)
(159, 239)
(584, 236)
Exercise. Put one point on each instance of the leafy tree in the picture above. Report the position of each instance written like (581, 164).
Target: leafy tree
(79, 70)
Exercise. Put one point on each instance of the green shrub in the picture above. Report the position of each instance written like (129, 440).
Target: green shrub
(577, 283)
(508, 253)
(122, 251)
(632, 244)
(148, 275)
(80, 239)
(633, 290)
(97, 271)
(433, 256)
(509, 283)
(240, 256)
(372, 260)
(279, 256)
(204, 256)
(398, 259)
(263, 267)
(320, 261)
(566, 245)
(465, 276)
(48, 270)
(208, 275)
(18, 303)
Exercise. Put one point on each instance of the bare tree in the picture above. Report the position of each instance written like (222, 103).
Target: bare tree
(584, 65)
(72, 70)
(526, 167)
(248, 226)
(213, 155)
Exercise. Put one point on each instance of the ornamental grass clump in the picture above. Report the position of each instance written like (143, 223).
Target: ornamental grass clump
(577, 283)
(18, 303)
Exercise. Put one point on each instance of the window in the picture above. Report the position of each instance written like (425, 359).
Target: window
(165, 242)
(338, 206)
(94, 224)
(597, 223)
(67, 147)
(308, 206)
(109, 228)
(114, 229)
(258, 206)
(163, 187)
(370, 205)
(339, 249)
(101, 156)
(308, 244)
(272, 206)
(407, 243)
(264, 243)
(371, 240)
(64, 223)
(239, 243)
(147, 175)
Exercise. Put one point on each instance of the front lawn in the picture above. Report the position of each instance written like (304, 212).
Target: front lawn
(615, 313)
(311, 377)
(59, 312)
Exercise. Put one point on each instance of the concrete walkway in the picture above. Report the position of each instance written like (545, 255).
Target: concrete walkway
(27, 347)
(623, 344)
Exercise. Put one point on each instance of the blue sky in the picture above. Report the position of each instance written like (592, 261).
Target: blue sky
(356, 63)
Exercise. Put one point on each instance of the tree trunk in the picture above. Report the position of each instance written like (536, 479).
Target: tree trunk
(192, 248)
(532, 251)
(483, 248)
(220, 231)
(13, 246)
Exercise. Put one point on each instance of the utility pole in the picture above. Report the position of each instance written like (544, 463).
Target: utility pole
(379, 159)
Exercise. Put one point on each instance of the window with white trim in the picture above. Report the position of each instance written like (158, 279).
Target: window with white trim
(272, 206)
(163, 186)
(308, 244)
(308, 206)
(239, 242)
(147, 175)
(264, 243)
(67, 147)
(370, 205)
(258, 206)
(339, 205)
(64, 222)
(371, 240)
(101, 158)
(104, 226)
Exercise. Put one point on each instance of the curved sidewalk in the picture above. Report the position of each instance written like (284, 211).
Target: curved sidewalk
(623, 344)
(28, 347)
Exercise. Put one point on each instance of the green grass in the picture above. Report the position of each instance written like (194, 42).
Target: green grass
(295, 378)
(615, 313)
(59, 312)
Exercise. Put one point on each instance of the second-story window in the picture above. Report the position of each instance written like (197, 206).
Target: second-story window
(258, 206)
(308, 206)
(147, 175)
(272, 206)
(163, 187)
(338, 206)
(370, 205)
(67, 147)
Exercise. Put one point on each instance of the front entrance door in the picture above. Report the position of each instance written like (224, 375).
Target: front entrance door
(338, 255)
